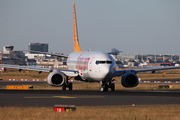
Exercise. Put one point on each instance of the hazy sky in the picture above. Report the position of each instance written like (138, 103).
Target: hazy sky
(132, 26)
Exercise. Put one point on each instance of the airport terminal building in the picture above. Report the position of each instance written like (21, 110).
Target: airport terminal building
(42, 47)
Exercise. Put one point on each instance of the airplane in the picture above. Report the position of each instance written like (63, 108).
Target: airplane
(144, 64)
(90, 66)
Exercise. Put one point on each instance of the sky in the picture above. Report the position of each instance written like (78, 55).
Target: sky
(131, 26)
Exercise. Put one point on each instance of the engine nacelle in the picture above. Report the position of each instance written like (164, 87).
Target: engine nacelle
(56, 78)
(129, 80)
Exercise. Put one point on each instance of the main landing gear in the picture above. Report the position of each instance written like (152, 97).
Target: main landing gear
(105, 85)
(67, 84)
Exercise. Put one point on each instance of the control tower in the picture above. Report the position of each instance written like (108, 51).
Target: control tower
(7, 49)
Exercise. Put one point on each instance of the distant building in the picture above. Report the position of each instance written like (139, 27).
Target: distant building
(7, 49)
(13, 57)
(42, 47)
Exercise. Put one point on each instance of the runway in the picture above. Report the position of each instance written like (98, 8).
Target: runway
(5, 82)
(49, 98)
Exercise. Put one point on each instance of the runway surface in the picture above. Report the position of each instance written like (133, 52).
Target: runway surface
(5, 82)
(49, 98)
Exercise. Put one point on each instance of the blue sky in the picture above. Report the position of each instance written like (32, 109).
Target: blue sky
(132, 26)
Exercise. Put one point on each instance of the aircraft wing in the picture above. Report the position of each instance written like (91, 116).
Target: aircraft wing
(121, 72)
(66, 72)
(47, 53)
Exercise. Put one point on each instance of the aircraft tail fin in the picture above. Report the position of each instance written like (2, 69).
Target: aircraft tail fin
(76, 40)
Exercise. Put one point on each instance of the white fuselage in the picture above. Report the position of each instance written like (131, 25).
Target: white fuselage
(92, 66)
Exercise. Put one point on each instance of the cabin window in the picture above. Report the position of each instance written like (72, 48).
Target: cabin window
(97, 62)
(109, 62)
(103, 62)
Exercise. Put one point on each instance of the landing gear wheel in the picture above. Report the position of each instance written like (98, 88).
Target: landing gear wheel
(67, 84)
(70, 86)
(104, 88)
(107, 84)
(64, 87)
(112, 86)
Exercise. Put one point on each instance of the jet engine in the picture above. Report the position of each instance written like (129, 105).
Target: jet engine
(56, 78)
(129, 79)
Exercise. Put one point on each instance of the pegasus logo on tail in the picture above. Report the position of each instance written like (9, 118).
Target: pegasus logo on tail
(76, 41)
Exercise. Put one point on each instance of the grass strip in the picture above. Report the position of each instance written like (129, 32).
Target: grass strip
(170, 112)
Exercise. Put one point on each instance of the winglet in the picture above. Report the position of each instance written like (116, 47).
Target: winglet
(76, 40)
